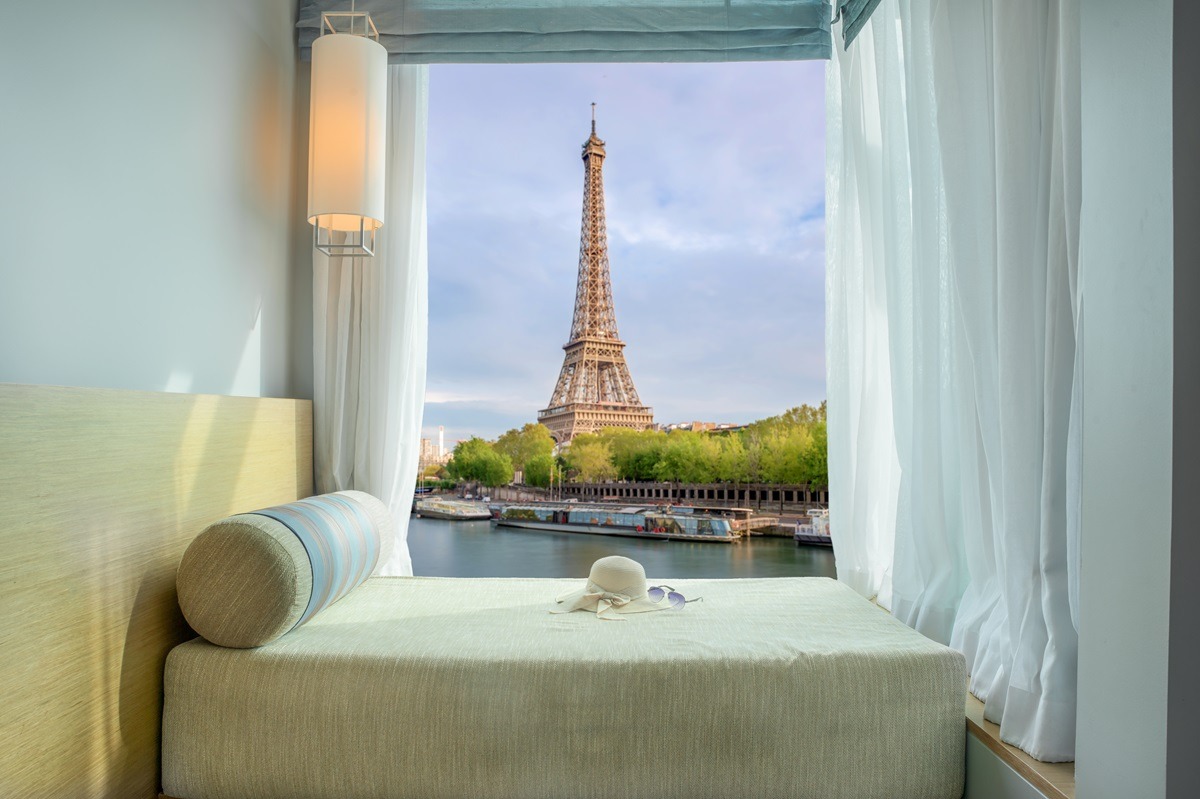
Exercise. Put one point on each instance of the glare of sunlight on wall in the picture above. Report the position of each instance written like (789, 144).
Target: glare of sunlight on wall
(178, 382)
(247, 380)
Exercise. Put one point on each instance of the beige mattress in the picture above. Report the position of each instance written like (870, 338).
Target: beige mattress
(437, 687)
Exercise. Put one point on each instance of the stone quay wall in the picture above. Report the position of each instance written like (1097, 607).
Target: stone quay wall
(788, 500)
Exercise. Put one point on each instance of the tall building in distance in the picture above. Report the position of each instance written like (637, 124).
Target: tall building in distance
(432, 454)
(594, 389)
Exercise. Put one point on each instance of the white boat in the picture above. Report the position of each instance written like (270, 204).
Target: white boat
(451, 509)
(816, 531)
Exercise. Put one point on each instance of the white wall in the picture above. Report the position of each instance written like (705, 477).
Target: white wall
(1127, 268)
(151, 197)
(989, 777)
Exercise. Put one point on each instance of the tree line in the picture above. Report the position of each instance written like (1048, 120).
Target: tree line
(788, 448)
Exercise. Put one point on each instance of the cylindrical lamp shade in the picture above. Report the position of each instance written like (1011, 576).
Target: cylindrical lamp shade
(347, 130)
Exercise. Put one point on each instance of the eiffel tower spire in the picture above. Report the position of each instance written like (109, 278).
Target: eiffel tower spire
(594, 389)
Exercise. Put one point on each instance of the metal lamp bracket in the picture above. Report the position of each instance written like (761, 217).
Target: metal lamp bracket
(354, 242)
(355, 23)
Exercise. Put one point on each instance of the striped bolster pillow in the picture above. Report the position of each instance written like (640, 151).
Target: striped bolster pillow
(248, 579)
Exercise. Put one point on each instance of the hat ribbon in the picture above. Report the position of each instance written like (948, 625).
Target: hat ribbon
(605, 603)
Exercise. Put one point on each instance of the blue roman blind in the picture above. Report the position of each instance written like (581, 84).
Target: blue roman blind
(854, 14)
(523, 31)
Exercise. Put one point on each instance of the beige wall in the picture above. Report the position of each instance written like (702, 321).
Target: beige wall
(152, 197)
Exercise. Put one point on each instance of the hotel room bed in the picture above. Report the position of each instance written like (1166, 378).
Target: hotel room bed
(438, 687)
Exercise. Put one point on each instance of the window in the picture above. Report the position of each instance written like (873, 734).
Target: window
(713, 181)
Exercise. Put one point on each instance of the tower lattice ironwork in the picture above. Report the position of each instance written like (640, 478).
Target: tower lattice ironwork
(594, 389)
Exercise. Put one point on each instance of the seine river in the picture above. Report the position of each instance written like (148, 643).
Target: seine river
(477, 549)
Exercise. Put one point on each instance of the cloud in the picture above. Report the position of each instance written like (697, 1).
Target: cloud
(715, 204)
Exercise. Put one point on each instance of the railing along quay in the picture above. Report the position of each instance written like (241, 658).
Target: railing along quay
(781, 498)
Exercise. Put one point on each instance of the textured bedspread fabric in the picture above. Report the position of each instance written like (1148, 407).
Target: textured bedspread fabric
(438, 687)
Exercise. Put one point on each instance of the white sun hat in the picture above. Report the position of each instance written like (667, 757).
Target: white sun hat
(616, 586)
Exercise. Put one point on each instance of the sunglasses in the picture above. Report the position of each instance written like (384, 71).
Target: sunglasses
(657, 592)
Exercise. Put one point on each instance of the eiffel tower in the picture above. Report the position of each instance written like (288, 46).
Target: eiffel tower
(594, 389)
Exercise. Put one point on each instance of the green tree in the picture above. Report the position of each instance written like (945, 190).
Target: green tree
(805, 416)
(732, 466)
(816, 457)
(590, 459)
(496, 469)
(463, 464)
(689, 457)
(756, 455)
(538, 470)
(785, 453)
(476, 460)
(635, 453)
(525, 444)
(788, 448)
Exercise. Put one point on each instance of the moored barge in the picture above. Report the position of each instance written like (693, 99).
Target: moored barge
(631, 522)
(451, 510)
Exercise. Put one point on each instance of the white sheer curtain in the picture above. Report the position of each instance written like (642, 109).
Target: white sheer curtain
(864, 474)
(955, 185)
(370, 332)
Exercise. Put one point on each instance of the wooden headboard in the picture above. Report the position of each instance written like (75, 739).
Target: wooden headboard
(100, 493)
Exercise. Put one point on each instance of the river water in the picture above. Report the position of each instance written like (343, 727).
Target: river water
(478, 549)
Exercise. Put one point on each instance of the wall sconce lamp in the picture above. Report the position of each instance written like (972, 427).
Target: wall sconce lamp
(347, 132)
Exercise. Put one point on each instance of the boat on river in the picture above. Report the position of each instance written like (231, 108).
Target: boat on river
(816, 531)
(451, 509)
(632, 522)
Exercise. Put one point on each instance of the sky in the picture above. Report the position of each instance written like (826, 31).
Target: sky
(715, 194)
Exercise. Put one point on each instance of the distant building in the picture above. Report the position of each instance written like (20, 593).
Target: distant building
(699, 427)
(433, 454)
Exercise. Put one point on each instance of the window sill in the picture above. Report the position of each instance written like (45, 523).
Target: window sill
(1054, 780)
